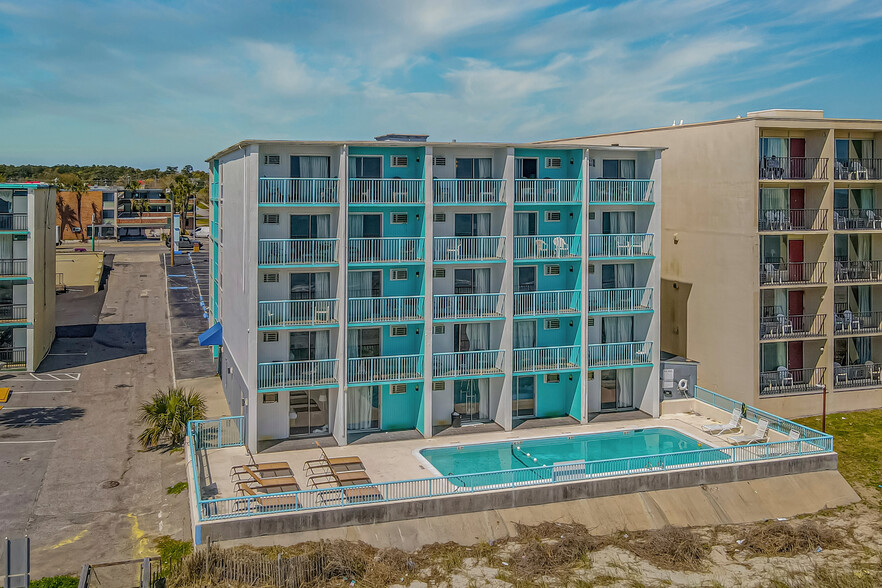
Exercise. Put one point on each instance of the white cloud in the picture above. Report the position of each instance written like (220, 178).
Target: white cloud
(281, 70)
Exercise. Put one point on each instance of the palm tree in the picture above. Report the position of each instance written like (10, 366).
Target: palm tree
(78, 187)
(167, 415)
(182, 191)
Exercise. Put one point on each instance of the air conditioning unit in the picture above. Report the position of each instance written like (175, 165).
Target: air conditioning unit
(439, 329)
(270, 337)
(552, 216)
(270, 278)
(552, 324)
(272, 159)
(552, 270)
(398, 161)
(398, 331)
(398, 218)
(552, 162)
(438, 386)
(439, 272)
(552, 378)
(439, 160)
(397, 275)
(439, 217)
(271, 219)
(398, 389)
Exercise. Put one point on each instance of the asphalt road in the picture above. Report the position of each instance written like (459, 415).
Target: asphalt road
(188, 282)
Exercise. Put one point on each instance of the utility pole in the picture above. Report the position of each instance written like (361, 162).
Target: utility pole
(824, 409)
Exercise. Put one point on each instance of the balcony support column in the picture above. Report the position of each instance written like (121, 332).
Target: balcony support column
(428, 293)
(337, 406)
(503, 412)
(584, 286)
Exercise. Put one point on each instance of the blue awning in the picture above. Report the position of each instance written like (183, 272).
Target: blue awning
(213, 336)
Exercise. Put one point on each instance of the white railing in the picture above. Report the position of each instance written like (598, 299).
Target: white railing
(547, 246)
(548, 190)
(386, 191)
(297, 190)
(447, 191)
(366, 250)
(543, 359)
(619, 354)
(292, 313)
(296, 251)
(467, 363)
(385, 309)
(365, 370)
(622, 245)
(468, 248)
(620, 191)
(451, 306)
(619, 299)
(295, 374)
(548, 302)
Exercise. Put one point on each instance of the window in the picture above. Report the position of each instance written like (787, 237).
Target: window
(526, 168)
(270, 397)
(552, 162)
(308, 166)
(551, 324)
(552, 378)
(398, 218)
(107, 197)
(106, 214)
(270, 337)
(617, 275)
(624, 169)
(398, 389)
(366, 167)
(272, 159)
(398, 275)
(306, 226)
(552, 270)
(398, 161)
(552, 216)
(310, 286)
(439, 160)
(271, 219)
(398, 331)
(270, 278)
(474, 168)
(439, 217)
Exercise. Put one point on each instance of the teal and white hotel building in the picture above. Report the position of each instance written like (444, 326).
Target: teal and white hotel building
(407, 285)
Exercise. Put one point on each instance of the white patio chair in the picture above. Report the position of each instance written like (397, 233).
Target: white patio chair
(873, 221)
(785, 378)
(784, 324)
(733, 426)
(849, 321)
(841, 172)
(560, 246)
(858, 170)
(761, 433)
(786, 447)
(840, 374)
(541, 247)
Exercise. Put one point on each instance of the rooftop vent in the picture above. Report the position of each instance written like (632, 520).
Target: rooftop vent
(402, 137)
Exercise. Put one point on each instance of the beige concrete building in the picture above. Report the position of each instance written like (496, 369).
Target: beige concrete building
(772, 256)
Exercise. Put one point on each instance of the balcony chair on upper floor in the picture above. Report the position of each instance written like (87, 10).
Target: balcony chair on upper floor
(783, 325)
(840, 171)
(541, 247)
(873, 221)
(560, 246)
(858, 171)
(785, 378)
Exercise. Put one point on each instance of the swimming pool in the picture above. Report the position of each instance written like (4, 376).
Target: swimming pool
(536, 453)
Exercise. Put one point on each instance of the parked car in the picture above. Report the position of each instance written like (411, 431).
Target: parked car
(185, 243)
(201, 232)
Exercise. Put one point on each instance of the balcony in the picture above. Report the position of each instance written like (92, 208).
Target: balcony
(857, 219)
(807, 219)
(792, 327)
(780, 273)
(13, 313)
(783, 381)
(454, 192)
(386, 191)
(459, 364)
(291, 375)
(293, 252)
(857, 271)
(548, 247)
(620, 246)
(467, 306)
(857, 323)
(546, 359)
(297, 191)
(857, 169)
(620, 191)
(386, 309)
(282, 314)
(551, 302)
(386, 250)
(619, 300)
(392, 368)
(553, 191)
(13, 221)
(14, 267)
(458, 249)
(864, 375)
(611, 355)
(793, 168)
(13, 358)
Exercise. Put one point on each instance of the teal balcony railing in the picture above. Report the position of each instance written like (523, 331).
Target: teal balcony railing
(453, 249)
(386, 249)
(13, 267)
(385, 309)
(296, 374)
(547, 246)
(296, 251)
(392, 368)
(386, 191)
(13, 221)
(620, 245)
(467, 306)
(296, 313)
(602, 191)
(467, 363)
(282, 191)
(548, 191)
(619, 354)
(620, 300)
(447, 191)
(549, 302)
(546, 359)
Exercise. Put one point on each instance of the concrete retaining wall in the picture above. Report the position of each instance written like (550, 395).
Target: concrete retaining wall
(80, 269)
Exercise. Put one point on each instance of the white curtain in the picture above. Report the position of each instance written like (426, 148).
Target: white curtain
(323, 285)
(360, 284)
(624, 275)
(314, 167)
(352, 343)
(774, 198)
(478, 335)
(522, 223)
(484, 398)
(628, 170)
(525, 334)
(359, 408)
(618, 329)
(483, 168)
(624, 388)
(356, 226)
(775, 146)
(322, 344)
(6, 247)
(863, 247)
(483, 224)
(519, 168)
(482, 281)
(322, 226)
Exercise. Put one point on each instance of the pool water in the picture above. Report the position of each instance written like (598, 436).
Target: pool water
(495, 457)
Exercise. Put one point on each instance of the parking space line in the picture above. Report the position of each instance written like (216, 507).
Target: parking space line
(33, 441)
(17, 392)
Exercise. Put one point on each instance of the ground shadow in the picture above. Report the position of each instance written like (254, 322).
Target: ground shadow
(105, 343)
(40, 416)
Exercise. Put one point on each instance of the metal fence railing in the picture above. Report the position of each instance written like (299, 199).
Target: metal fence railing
(452, 191)
(297, 191)
(602, 191)
(14, 221)
(547, 302)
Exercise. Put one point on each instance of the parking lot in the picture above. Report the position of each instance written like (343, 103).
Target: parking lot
(188, 282)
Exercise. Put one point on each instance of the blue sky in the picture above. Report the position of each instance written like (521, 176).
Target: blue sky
(150, 83)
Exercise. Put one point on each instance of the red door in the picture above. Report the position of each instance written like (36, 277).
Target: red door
(794, 359)
(797, 159)
(794, 260)
(795, 310)
(798, 218)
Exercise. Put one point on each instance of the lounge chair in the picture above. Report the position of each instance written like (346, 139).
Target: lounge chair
(351, 495)
(733, 426)
(270, 501)
(336, 464)
(762, 431)
(264, 482)
(334, 479)
(786, 447)
(266, 470)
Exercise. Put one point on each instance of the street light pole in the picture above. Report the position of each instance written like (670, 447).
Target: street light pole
(824, 409)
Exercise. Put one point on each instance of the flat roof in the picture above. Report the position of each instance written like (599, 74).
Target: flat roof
(24, 185)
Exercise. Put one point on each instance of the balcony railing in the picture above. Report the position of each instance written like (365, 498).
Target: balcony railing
(467, 363)
(793, 168)
(447, 191)
(296, 251)
(864, 375)
(609, 300)
(366, 370)
(13, 221)
(549, 302)
(858, 169)
(792, 327)
(857, 219)
(546, 359)
(468, 248)
(297, 191)
(547, 246)
(296, 313)
(619, 354)
(13, 267)
(383, 249)
(385, 309)
(784, 381)
(804, 219)
(466, 306)
(857, 323)
(624, 245)
(548, 190)
(858, 271)
(386, 191)
(620, 191)
(13, 357)
(296, 374)
(792, 273)
(13, 313)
